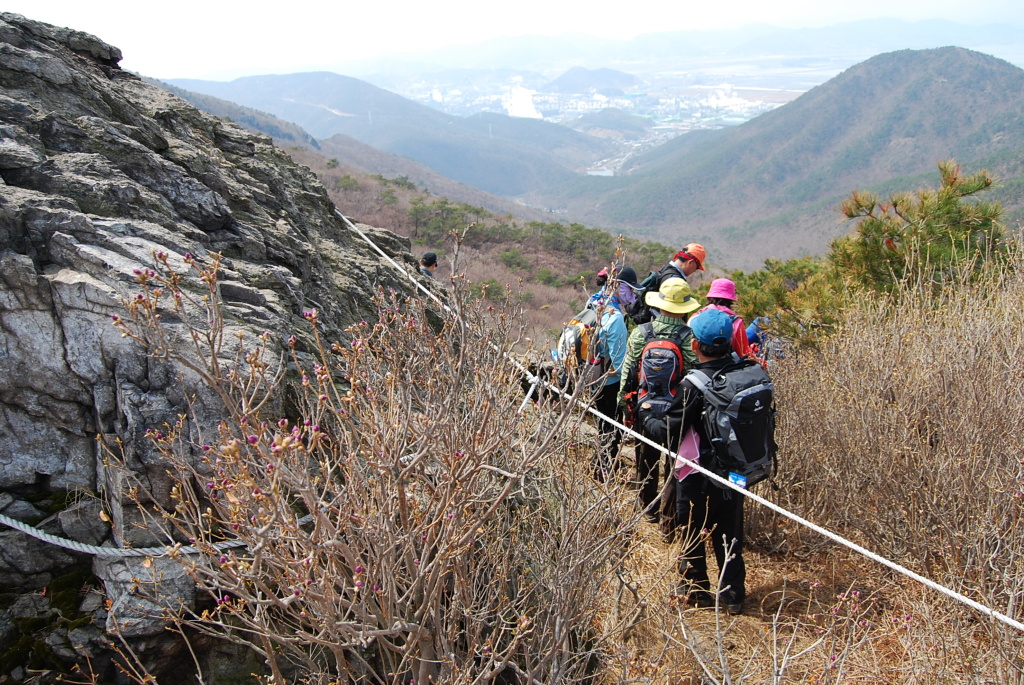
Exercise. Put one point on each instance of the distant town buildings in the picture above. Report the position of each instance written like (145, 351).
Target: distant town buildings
(672, 104)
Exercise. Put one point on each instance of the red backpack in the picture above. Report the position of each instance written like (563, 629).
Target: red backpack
(660, 370)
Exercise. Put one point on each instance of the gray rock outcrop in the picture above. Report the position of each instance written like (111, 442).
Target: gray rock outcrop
(99, 170)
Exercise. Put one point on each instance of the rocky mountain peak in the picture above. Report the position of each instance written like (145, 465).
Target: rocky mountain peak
(98, 171)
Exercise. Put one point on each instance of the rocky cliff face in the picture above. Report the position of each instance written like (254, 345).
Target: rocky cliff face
(97, 171)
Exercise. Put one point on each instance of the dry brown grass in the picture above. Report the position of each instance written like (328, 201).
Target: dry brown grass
(409, 520)
(903, 435)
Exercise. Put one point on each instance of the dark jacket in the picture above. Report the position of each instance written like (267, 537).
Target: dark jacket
(687, 409)
(640, 312)
(668, 271)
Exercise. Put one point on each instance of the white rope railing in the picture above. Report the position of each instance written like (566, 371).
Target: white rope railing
(99, 551)
(536, 381)
(835, 537)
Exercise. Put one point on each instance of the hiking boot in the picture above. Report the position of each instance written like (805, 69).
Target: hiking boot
(701, 600)
(694, 596)
(733, 604)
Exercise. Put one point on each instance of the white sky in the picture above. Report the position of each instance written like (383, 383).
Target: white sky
(222, 40)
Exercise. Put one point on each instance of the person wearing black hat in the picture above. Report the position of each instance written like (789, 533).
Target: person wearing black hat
(627, 287)
(622, 292)
(428, 262)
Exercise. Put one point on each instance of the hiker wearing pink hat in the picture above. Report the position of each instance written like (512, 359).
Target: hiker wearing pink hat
(722, 296)
(722, 288)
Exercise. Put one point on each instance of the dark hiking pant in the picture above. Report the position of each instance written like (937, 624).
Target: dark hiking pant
(654, 469)
(649, 470)
(702, 506)
(606, 460)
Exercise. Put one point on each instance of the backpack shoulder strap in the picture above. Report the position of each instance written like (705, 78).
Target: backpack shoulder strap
(648, 331)
(745, 362)
(699, 380)
(670, 270)
(680, 333)
(676, 336)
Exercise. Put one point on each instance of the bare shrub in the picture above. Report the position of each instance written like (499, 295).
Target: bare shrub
(403, 521)
(902, 432)
(408, 520)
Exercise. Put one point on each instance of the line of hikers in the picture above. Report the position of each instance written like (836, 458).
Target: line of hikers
(686, 377)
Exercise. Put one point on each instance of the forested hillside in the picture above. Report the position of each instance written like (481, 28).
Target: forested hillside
(496, 153)
(549, 264)
(612, 123)
(770, 187)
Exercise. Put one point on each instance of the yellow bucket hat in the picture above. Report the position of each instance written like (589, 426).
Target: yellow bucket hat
(673, 296)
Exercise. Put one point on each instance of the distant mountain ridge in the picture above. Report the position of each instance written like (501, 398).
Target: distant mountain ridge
(844, 44)
(284, 132)
(770, 186)
(354, 154)
(583, 80)
(496, 153)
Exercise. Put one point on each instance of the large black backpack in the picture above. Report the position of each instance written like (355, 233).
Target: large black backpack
(640, 312)
(739, 419)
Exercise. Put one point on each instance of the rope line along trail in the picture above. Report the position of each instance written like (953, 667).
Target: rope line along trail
(835, 537)
(100, 551)
(110, 551)
(536, 381)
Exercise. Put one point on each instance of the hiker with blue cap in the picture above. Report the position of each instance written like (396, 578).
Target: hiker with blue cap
(701, 504)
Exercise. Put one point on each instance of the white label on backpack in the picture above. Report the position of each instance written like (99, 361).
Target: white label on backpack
(737, 479)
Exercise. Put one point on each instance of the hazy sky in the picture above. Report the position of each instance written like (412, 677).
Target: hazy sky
(222, 40)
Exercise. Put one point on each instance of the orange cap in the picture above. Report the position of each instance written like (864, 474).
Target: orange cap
(694, 251)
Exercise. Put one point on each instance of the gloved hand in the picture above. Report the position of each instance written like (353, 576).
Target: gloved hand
(655, 428)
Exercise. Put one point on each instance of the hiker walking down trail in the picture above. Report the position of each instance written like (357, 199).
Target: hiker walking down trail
(601, 294)
(756, 332)
(658, 354)
(611, 345)
(626, 290)
(428, 263)
(610, 301)
(685, 263)
(763, 345)
(591, 350)
(722, 296)
(739, 447)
